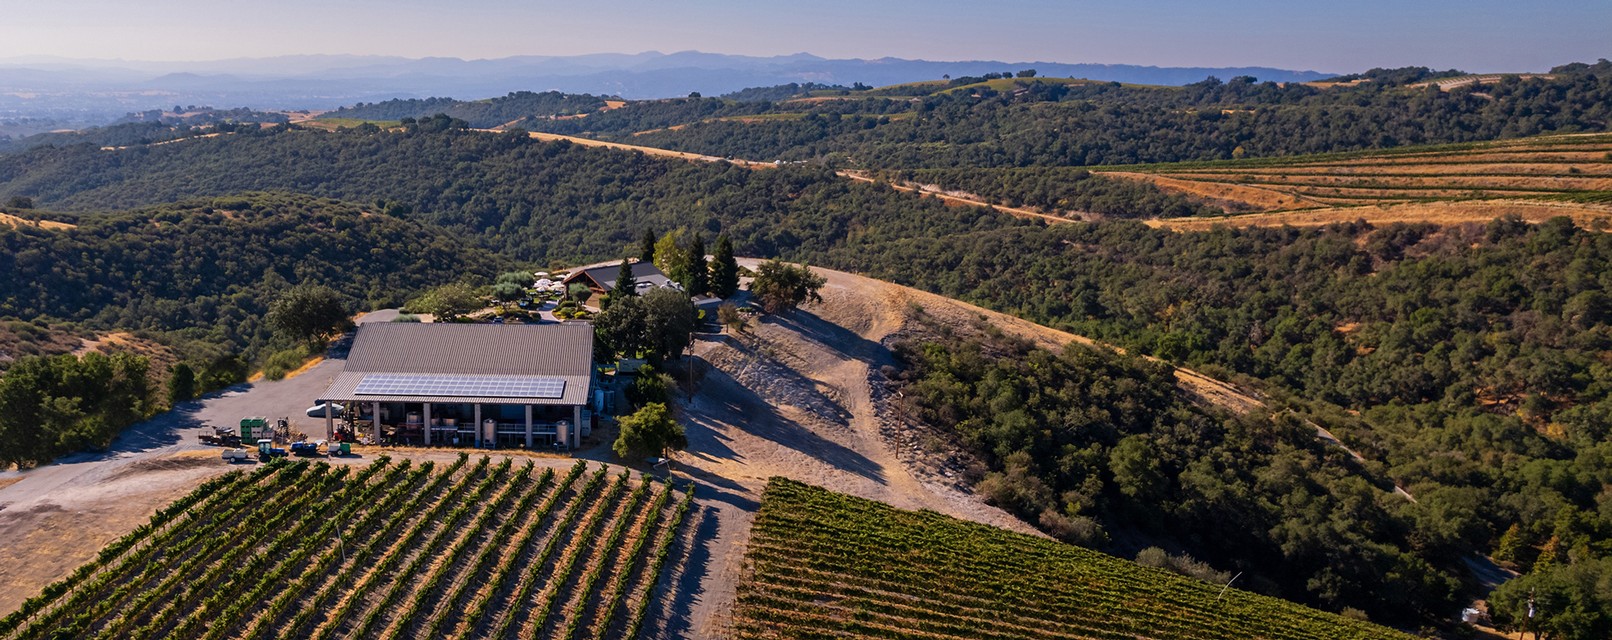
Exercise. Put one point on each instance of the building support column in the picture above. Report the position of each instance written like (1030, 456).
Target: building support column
(375, 424)
(576, 424)
(478, 425)
(330, 422)
(528, 427)
(426, 412)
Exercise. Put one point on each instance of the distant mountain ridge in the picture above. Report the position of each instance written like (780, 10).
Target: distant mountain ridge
(41, 86)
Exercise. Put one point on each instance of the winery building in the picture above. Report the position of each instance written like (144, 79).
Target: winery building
(469, 385)
(602, 279)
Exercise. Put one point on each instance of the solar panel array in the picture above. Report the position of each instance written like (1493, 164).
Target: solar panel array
(388, 384)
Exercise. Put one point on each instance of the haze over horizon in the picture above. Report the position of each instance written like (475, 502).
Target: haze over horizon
(1478, 35)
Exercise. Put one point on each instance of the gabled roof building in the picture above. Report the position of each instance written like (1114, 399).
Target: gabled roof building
(602, 279)
(483, 385)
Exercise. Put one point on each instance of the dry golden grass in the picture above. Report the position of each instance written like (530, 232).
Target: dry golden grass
(259, 376)
(305, 367)
(14, 221)
(1369, 195)
(1447, 213)
(1288, 180)
(1527, 169)
(106, 342)
(1232, 196)
(1328, 85)
(675, 127)
(1571, 153)
(1421, 169)
(817, 99)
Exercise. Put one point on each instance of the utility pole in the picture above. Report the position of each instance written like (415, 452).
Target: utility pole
(1530, 622)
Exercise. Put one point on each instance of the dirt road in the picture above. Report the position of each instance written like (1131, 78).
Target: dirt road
(963, 200)
(790, 397)
(654, 151)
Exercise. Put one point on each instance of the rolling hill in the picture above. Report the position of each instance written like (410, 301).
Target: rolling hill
(1567, 175)
(1561, 167)
(983, 122)
(207, 268)
(829, 565)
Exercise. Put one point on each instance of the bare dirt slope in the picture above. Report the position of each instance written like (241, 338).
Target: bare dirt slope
(791, 396)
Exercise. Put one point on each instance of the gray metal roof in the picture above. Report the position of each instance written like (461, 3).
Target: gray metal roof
(473, 349)
(344, 389)
(558, 350)
(642, 272)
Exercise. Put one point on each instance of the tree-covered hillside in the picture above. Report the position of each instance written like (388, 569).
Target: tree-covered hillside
(1036, 123)
(207, 269)
(537, 201)
(493, 112)
(1467, 364)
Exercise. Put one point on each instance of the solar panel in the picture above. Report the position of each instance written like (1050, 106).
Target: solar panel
(388, 384)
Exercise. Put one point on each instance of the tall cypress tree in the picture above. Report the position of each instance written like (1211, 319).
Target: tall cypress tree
(646, 246)
(625, 282)
(626, 285)
(724, 269)
(699, 271)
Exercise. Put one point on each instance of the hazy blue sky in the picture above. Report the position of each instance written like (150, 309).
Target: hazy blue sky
(1335, 35)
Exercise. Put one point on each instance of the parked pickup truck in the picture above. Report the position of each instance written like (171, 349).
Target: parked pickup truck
(220, 436)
